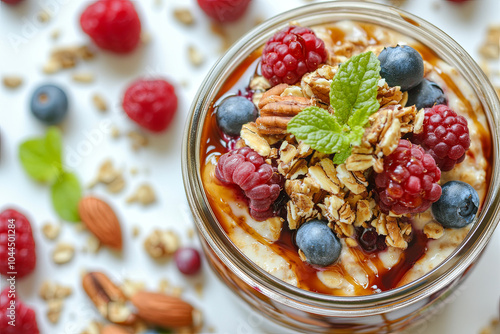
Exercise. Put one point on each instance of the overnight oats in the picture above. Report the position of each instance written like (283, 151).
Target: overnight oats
(340, 163)
(324, 168)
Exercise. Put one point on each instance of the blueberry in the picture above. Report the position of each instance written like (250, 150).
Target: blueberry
(426, 95)
(457, 205)
(401, 66)
(233, 112)
(318, 243)
(49, 104)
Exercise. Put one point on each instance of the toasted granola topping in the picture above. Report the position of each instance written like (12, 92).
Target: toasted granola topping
(325, 175)
(252, 138)
(317, 84)
(433, 230)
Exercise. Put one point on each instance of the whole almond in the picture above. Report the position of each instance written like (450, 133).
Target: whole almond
(101, 220)
(163, 310)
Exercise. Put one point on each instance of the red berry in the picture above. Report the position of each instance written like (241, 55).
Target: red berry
(188, 260)
(224, 10)
(151, 103)
(112, 24)
(25, 317)
(248, 170)
(408, 183)
(290, 54)
(445, 136)
(11, 2)
(16, 236)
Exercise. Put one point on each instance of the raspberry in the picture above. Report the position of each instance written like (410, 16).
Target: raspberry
(21, 242)
(445, 136)
(224, 10)
(112, 24)
(247, 169)
(25, 317)
(151, 103)
(408, 183)
(291, 53)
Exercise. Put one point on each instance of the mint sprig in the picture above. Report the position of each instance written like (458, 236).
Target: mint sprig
(41, 158)
(353, 96)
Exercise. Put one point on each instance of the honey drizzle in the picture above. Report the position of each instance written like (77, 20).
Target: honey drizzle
(384, 279)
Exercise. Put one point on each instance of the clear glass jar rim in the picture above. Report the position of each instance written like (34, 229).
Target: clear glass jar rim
(446, 272)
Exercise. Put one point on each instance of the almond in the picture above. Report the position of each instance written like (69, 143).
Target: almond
(101, 220)
(163, 310)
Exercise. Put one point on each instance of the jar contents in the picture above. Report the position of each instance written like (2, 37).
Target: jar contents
(346, 159)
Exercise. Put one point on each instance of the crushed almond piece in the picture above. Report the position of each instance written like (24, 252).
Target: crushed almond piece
(54, 294)
(199, 288)
(12, 81)
(63, 253)
(66, 57)
(184, 16)
(55, 307)
(195, 57)
(252, 138)
(99, 102)
(93, 328)
(144, 195)
(115, 132)
(51, 231)
(161, 244)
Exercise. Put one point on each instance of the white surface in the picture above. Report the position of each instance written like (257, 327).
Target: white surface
(24, 47)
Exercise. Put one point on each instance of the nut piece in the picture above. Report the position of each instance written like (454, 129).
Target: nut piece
(111, 177)
(195, 56)
(161, 244)
(317, 84)
(184, 16)
(99, 102)
(433, 230)
(163, 310)
(51, 231)
(114, 329)
(101, 220)
(12, 81)
(144, 195)
(252, 138)
(107, 298)
(63, 253)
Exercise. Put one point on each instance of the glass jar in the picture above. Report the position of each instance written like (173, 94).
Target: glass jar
(306, 311)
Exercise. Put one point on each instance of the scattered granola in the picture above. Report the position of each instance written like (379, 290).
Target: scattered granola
(12, 81)
(144, 195)
(195, 57)
(83, 77)
(161, 244)
(138, 139)
(63, 253)
(51, 231)
(54, 294)
(43, 16)
(109, 176)
(99, 102)
(184, 16)
(66, 57)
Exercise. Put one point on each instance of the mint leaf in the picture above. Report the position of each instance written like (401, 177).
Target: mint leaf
(66, 193)
(353, 93)
(319, 129)
(341, 157)
(41, 157)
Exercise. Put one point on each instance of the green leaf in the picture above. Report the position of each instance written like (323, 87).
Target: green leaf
(66, 193)
(319, 129)
(41, 157)
(341, 157)
(353, 93)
